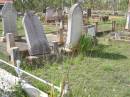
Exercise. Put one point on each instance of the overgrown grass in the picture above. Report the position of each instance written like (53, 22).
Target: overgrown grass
(101, 72)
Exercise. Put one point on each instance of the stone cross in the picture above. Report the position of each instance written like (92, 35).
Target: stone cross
(9, 17)
(36, 39)
(75, 23)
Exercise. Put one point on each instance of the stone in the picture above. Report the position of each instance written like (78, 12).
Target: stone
(75, 23)
(9, 17)
(10, 42)
(59, 14)
(49, 14)
(91, 30)
(35, 37)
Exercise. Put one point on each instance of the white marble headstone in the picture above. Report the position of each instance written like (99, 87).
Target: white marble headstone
(9, 17)
(36, 39)
(75, 23)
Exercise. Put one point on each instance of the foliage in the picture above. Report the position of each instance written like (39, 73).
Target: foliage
(85, 43)
(40, 5)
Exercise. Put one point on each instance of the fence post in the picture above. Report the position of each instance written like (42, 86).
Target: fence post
(96, 24)
(10, 41)
(14, 53)
(113, 25)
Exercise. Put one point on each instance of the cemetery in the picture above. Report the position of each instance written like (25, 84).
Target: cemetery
(64, 48)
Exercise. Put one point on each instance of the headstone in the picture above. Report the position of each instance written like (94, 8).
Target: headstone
(91, 30)
(75, 23)
(59, 14)
(10, 42)
(9, 16)
(50, 13)
(36, 39)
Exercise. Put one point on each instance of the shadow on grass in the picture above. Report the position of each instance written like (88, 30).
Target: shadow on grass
(106, 55)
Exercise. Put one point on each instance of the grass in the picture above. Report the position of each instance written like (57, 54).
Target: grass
(20, 29)
(101, 72)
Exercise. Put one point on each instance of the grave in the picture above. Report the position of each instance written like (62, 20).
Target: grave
(59, 14)
(75, 23)
(91, 30)
(50, 14)
(35, 37)
(9, 17)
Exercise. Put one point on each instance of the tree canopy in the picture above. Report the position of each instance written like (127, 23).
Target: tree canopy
(40, 5)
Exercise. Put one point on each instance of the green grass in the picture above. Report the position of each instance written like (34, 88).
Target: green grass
(20, 29)
(103, 72)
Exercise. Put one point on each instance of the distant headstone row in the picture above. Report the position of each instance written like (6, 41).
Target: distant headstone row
(53, 14)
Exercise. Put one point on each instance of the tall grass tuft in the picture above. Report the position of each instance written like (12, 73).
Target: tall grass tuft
(86, 43)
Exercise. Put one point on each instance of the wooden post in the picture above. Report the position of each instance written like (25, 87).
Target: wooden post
(96, 24)
(15, 55)
(113, 25)
(10, 42)
(60, 33)
(55, 47)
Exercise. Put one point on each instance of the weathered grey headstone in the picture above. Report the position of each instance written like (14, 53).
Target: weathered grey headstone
(50, 14)
(59, 14)
(36, 39)
(75, 23)
(9, 16)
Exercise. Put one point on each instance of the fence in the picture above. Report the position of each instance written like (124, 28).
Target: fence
(19, 71)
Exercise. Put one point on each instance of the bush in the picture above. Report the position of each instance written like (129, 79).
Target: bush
(86, 43)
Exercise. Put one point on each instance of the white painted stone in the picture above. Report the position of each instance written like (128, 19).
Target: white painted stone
(32, 91)
(9, 17)
(36, 39)
(75, 23)
(7, 81)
